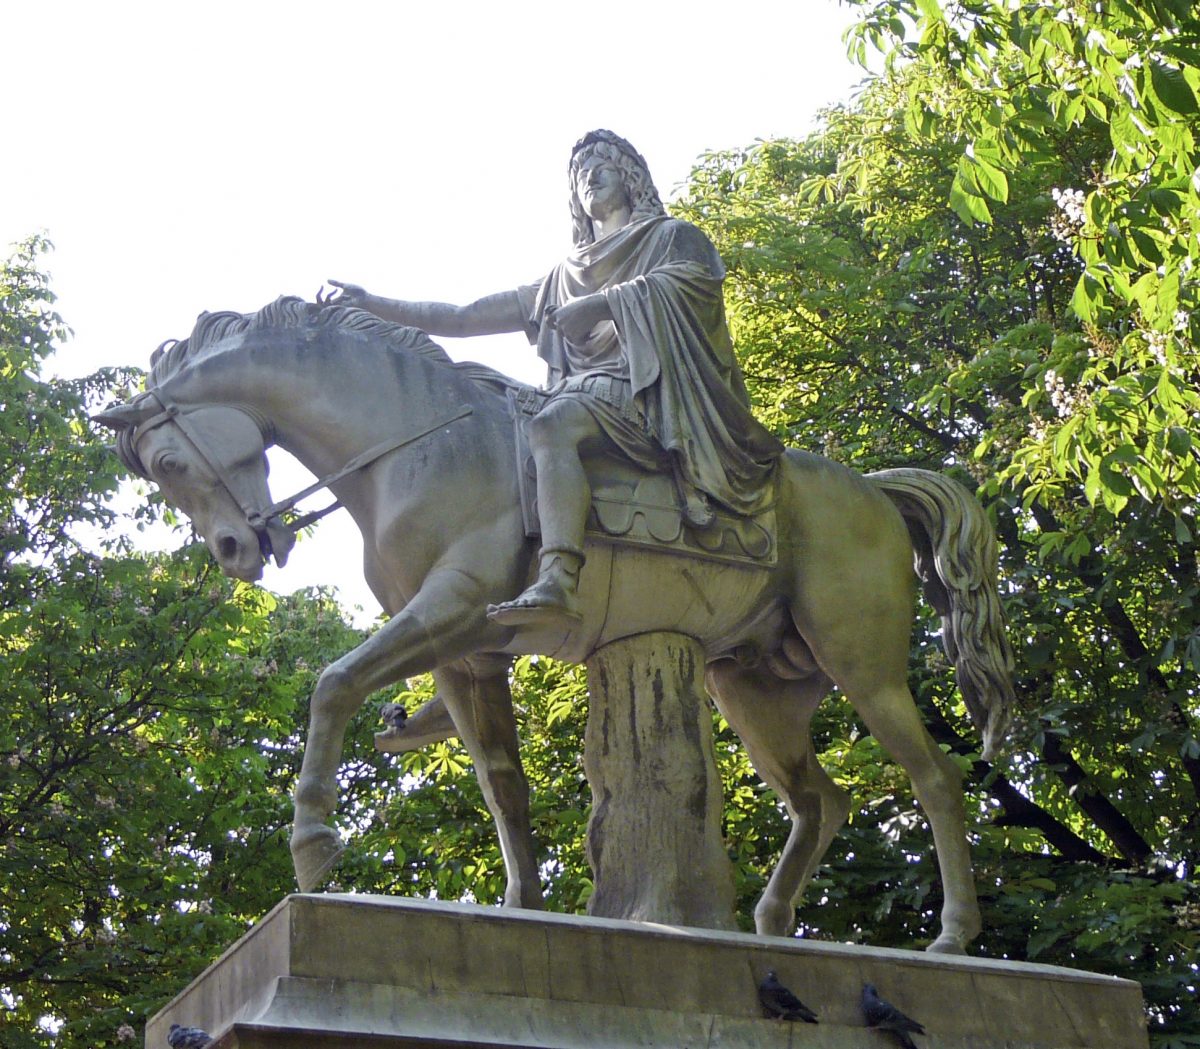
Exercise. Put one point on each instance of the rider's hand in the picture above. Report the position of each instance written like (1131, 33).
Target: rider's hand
(350, 295)
(575, 321)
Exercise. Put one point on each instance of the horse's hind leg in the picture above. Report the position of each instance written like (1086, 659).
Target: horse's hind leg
(476, 693)
(866, 653)
(853, 603)
(892, 717)
(772, 717)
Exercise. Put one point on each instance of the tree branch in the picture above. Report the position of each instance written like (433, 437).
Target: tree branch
(949, 443)
(1019, 811)
(1091, 571)
(1132, 846)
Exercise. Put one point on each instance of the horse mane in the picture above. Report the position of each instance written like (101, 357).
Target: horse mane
(290, 311)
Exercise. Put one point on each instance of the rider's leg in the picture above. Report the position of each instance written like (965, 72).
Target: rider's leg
(557, 436)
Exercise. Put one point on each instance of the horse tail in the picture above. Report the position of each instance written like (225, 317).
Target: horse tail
(955, 556)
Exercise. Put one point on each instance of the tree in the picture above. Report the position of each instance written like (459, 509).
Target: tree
(1099, 102)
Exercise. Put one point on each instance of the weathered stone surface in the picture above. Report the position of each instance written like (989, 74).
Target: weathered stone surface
(334, 972)
(654, 839)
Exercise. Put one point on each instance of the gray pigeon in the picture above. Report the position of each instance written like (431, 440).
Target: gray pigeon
(394, 715)
(780, 1004)
(884, 1016)
(187, 1037)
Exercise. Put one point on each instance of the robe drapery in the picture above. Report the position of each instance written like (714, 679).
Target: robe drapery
(661, 377)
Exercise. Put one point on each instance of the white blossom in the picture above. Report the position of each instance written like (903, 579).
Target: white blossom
(1156, 342)
(1069, 220)
(1066, 402)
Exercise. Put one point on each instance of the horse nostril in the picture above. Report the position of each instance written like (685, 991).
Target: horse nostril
(227, 547)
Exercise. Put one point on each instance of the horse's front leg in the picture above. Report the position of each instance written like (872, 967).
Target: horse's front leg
(440, 624)
(477, 695)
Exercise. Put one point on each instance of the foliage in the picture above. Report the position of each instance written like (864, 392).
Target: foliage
(45, 498)
(1098, 102)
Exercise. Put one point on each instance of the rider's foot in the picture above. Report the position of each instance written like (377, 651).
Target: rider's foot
(553, 597)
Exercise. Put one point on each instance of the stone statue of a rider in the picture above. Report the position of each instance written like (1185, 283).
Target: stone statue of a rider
(632, 327)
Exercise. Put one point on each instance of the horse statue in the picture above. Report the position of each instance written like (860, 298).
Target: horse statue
(420, 451)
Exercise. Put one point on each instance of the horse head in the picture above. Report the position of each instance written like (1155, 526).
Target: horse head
(210, 462)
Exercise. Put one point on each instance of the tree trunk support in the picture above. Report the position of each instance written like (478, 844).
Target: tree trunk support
(654, 841)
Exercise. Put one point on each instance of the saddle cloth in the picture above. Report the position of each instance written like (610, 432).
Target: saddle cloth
(636, 507)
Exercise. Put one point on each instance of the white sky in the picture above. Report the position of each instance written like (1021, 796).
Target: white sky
(212, 156)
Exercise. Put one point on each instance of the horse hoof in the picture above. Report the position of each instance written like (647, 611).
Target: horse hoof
(946, 944)
(314, 855)
(774, 919)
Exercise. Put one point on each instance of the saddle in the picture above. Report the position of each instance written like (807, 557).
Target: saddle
(632, 506)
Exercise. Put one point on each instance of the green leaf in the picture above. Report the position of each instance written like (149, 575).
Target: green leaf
(991, 180)
(1167, 300)
(1146, 246)
(968, 206)
(1165, 201)
(1062, 439)
(1179, 441)
(1086, 298)
(1126, 137)
(1172, 89)
(1145, 291)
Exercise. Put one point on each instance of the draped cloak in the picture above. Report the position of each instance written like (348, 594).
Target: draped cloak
(661, 377)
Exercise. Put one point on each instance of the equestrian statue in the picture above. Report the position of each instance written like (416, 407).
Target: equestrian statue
(633, 501)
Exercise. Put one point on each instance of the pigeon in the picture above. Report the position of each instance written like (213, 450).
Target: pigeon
(884, 1016)
(394, 715)
(780, 1004)
(187, 1037)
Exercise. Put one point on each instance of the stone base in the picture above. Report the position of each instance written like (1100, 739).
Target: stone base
(343, 971)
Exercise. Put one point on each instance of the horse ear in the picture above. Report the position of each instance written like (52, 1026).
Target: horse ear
(123, 416)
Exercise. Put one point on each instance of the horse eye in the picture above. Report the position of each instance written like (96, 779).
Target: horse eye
(168, 464)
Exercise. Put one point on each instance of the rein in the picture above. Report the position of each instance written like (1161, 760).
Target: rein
(265, 521)
(355, 464)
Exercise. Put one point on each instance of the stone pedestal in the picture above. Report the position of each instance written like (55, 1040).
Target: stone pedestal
(346, 972)
(654, 841)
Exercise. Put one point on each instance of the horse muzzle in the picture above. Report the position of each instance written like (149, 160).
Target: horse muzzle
(238, 554)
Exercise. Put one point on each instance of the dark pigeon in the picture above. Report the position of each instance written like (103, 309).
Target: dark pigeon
(394, 715)
(884, 1016)
(780, 1004)
(187, 1037)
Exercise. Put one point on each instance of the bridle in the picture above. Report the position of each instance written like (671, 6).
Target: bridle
(275, 535)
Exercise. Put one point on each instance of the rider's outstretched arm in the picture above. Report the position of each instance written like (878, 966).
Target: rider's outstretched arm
(490, 315)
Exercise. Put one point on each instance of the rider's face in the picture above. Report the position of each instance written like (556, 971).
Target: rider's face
(600, 188)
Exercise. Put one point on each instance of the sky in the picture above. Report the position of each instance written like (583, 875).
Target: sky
(213, 156)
